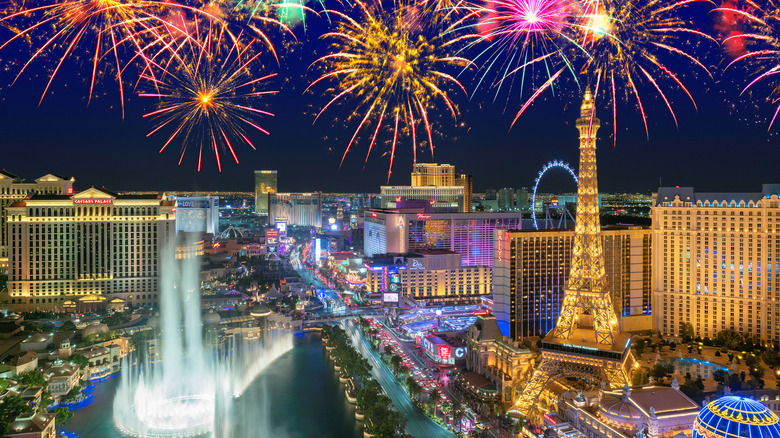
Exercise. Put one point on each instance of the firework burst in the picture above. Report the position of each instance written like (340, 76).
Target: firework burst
(100, 30)
(753, 40)
(390, 73)
(208, 98)
(514, 37)
(630, 45)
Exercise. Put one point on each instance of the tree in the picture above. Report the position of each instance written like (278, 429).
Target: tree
(691, 389)
(79, 359)
(62, 416)
(735, 383)
(457, 416)
(13, 406)
(661, 371)
(396, 362)
(388, 350)
(433, 398)
(640, 348)
(728, 338)
(33, 378)
(720, 375)
(414, 388)
(686, 331)
(67, 326)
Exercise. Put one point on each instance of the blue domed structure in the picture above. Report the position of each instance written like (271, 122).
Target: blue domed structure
(732, 416)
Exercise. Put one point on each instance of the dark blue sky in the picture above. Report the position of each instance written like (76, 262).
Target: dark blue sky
(713, 149)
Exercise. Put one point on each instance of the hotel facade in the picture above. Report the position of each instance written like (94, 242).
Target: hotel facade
(432, 275)
(13, 188)
(296, 209)
(716, 262)
(266, 183)
(86, 251)
(531, 269)
(410, 230)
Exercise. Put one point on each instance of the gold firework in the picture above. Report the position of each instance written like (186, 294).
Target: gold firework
(390, 72)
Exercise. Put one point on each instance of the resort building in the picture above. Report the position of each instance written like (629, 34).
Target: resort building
(438, 199)
(38, 425)
(13, 188)
(657, 411)
(467, 182)
(496, 358)
(531, 269)
(296, 209)
(198, 214)
(434, 275)
(411, 230)
(265, 184)
(715, 262)
(86, 251)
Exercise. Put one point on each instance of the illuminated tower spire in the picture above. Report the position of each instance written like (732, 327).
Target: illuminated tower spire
(586, 291)
(585, 342)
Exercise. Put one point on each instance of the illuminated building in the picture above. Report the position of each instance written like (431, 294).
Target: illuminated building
(13, 188)
(433, 174)
(438, 199)
(506, 199)
(433, 187)
(731, 416)
(715, 263)
(296, 209)
(198, 214)
(531, 268)
(522, 200)
(496, 357)
(84, 251)
(658, 411)
(265, 185)
(432, 275)
(467, 182)
(410, 230)
(586, 342)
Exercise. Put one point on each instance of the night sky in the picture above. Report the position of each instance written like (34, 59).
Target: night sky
(714, 149)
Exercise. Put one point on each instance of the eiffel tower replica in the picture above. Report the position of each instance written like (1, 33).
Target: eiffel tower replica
(586, 342)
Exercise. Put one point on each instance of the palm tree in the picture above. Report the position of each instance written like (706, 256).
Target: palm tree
(457, 415)
(434, 397)
(396, 362)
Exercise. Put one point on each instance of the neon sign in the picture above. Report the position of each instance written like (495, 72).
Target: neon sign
(93, 201)
(416, 264)
(460, 352)
(423, 216)
(444, 351)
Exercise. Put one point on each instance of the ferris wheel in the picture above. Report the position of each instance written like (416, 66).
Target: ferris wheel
(557, 164)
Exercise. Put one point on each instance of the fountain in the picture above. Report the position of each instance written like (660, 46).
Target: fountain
(189, 390)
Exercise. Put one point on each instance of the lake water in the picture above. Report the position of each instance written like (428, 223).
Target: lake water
(298, 396)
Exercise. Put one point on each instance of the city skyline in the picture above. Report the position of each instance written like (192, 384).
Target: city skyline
(94, 142)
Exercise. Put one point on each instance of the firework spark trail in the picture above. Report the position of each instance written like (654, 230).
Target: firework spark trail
(753, 35)
(209, 94)
(511, 36)
(112, 33)
(387, 70)
(629, 43)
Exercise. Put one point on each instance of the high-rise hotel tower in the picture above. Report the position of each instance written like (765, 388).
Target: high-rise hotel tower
(90, 250)
(13, 188)
(716, 262)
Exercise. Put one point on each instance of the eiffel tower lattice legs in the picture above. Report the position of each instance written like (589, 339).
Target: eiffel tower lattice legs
(555, 366)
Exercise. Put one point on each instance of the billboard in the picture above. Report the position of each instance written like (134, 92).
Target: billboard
(392, 292)
(390, 298)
